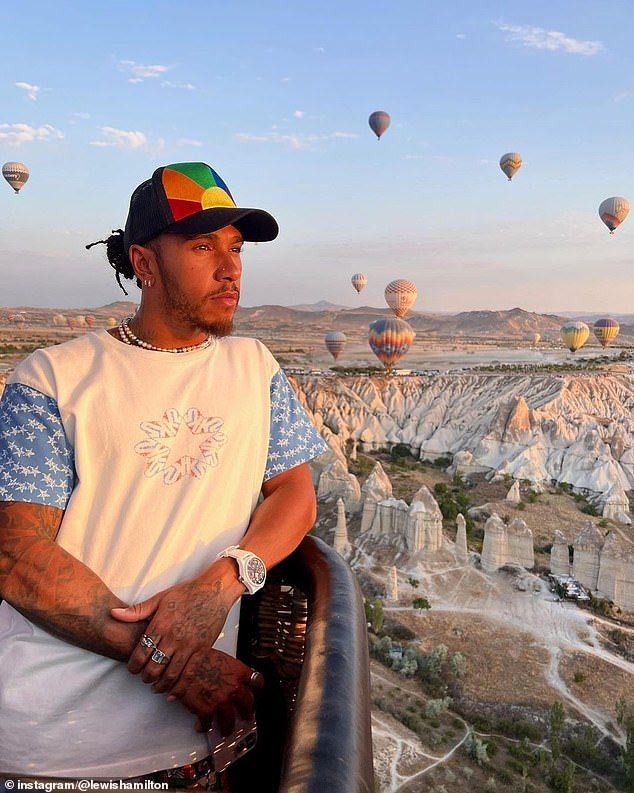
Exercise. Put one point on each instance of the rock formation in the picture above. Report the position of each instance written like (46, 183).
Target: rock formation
(585, 561)
(424, 522)
(494, 546)
(462, 552)
(391, 588)
(540, 427)
(559, 555)
(336, 480)
(341, 543)
(513, 496)
(377, 487)
(390, 517)
(520, 544)
(610, 563)
(616, 504)
(506, 545)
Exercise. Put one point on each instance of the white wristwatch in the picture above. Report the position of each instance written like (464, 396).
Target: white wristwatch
(251, 569)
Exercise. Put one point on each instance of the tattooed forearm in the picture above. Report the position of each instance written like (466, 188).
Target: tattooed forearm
(55, 590)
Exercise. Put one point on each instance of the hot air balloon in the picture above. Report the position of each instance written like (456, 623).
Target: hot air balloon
(575, 335)
(59, 320)
(90, 320)
(71, 322)
(359, 280)
(18, 319)
(335, 342)
(390, 339)
(111, 322)
(537, 337)
(16, 174)
(606, 330)
(613, 211)
(11, 316)
(379, 121)
(510, 163)
(399, 295)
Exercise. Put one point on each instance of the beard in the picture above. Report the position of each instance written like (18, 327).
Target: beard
(177, 305)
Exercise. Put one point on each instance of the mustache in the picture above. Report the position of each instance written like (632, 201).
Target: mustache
(226, 291)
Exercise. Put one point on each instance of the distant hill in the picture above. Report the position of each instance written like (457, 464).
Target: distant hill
(321, 305)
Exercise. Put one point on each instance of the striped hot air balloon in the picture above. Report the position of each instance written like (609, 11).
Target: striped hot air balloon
(359, 280)
(379, 121)
(574, 335)
(71, 322)
(335, 342)
(613, 211)
(16, 174)
(390, 339)
(90, 320)
(606, 330)
(510, 163)
(400, 295)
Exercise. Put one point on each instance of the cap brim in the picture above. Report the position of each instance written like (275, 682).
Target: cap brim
(255, 225)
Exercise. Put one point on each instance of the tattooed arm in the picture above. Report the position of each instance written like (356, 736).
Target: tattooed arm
(53, 589)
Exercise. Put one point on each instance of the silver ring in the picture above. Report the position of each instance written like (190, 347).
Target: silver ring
(147, 641)
(159, 657)
(254, 676)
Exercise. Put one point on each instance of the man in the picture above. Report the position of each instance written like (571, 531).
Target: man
(131, 460)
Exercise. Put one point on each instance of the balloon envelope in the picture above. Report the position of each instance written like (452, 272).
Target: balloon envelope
(613, 211)
(59, 319)
(537, 337)
(71, 322)
(390, 339)
(606, 330)
(335, 343)
(575, 335)
(16, 174)
(111, 322)
(400, 295)
(510, 163)
(379, 121)
(359, 280)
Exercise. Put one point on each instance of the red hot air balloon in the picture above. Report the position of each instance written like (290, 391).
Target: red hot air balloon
(390, 339)
(606, 330)
(379, 121)
(71, 322)
(90, 320)
(335, 343)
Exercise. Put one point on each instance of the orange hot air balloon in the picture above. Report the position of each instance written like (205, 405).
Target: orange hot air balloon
(111, 322)
(71, 322)
(90, 320)
(606, 330)
(613, 211)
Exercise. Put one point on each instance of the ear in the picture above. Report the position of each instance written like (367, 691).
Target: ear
(143, 262)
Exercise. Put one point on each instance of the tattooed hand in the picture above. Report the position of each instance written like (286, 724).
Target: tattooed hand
(184, 619)
(214, 684)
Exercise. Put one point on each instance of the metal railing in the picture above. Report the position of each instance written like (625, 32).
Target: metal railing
(306, 632)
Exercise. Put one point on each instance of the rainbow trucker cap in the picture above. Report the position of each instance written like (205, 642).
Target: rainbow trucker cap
(190, 198)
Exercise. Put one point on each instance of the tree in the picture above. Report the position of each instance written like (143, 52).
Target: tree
(557, 718)
(476, 750)
(421, 603)
(377, 615)
(413, 582)
(458, 665)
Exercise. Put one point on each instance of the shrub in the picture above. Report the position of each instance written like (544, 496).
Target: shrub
(521, 506)
(476, 749)
(421, 603)
(458, 665)
(579, 677)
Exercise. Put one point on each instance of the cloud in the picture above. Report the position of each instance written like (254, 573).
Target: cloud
(184, 86)
(16, 134)
(461, 35)
(319, 49)
(121, 139)
(189, 142)
(286, 79)
(293, 141)
(139, 72)
(299, 113)
(32, 91)
(83, 116)
(553, 40)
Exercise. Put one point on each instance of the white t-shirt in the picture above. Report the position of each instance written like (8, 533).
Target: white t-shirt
(158, 460)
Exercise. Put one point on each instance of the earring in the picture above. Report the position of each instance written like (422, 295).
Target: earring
(148, 282)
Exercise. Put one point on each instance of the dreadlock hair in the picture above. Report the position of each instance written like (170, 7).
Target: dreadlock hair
(117, 257)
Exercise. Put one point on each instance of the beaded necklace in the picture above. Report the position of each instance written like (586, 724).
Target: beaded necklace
(126, 336)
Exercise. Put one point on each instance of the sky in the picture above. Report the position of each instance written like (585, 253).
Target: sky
(276, 97)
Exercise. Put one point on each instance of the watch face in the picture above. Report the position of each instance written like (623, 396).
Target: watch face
(256, 570)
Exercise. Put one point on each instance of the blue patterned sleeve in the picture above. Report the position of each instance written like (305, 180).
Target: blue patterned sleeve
(36, 460)
(293, 438)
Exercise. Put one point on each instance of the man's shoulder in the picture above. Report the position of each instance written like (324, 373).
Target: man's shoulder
(248, 351)
(41, 368)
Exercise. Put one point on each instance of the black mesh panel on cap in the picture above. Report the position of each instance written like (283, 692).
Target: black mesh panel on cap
(145, 216)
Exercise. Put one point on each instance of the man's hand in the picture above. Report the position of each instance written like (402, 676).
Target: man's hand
(185, 619)
(213, 683)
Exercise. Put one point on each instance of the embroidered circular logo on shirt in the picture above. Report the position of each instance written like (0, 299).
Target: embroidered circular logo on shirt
(181, 445)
